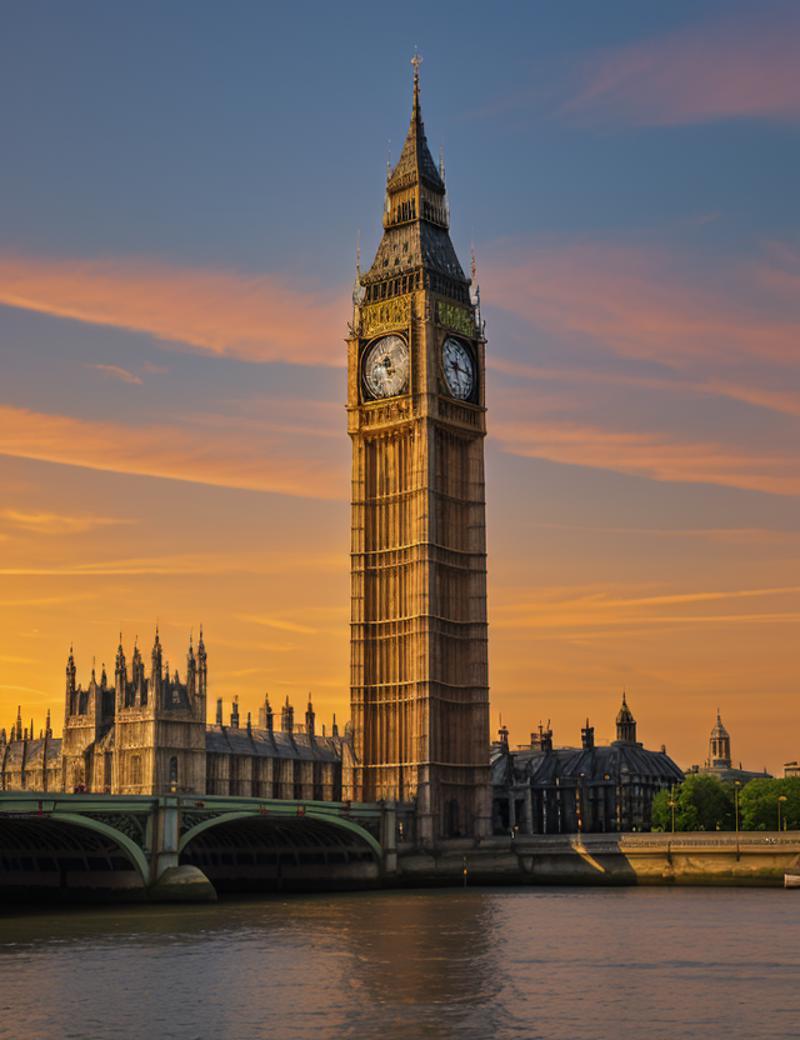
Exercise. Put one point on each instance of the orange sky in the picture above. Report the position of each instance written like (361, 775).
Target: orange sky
(173, 306)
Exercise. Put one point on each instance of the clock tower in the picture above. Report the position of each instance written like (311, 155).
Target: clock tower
(416, 418)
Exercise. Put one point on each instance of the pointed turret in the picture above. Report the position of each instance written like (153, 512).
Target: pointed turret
(235, 713)
(626, 723)
(191, 669)
(120, 665)
(310, 718)
(18, 728)
(266, 719)
(202, 666)
(71, 684)
(587, 737)
(415, 250)
(48, 729)
(287, 717)
(415, 164)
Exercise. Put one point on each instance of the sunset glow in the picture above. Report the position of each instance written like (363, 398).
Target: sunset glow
(175, 279)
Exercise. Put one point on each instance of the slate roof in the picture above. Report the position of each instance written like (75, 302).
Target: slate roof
(620, 759)
(415, 162)
(228, 740)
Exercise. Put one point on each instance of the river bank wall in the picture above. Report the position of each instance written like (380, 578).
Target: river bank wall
(747, 858)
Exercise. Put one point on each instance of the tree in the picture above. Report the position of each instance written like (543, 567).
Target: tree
(758, 804)
(702, 803)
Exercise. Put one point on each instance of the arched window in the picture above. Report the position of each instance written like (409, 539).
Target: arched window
(136, 771)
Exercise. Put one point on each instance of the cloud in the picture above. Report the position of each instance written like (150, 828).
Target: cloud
(600, 608)
(658, 456)
(225, 313)
(205, 564)
(115, 372)
(784, 402)
(218, 457)
(645, 304)
(737, 68)
(281, 624)
(57, 523)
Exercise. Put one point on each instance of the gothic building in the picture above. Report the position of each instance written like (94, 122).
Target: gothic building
(147, 734)
(419, 690)
(542, 789)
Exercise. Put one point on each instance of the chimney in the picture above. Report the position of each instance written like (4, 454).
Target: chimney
(235, 712)
(587, 737)
(218, 719)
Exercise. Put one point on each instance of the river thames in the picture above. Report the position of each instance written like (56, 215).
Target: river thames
(561, 964)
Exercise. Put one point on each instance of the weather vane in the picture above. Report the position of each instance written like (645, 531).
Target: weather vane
(416, 61)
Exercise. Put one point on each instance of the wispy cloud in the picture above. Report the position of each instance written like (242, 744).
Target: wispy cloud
(122, 375)
(643, 303)
(221, 458)
(784, 401)
(659, 456)
(278, 623)
(206, 564)
(572, 608)
(58, 523)
(732, 68)
(227, 313)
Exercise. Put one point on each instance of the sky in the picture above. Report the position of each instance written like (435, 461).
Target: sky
(181, 192)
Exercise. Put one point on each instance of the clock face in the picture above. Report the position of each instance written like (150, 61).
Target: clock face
(386, 367)
(459, 369)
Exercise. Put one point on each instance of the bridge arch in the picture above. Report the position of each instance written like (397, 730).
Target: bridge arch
(328, 818)
(68, 850)
(252, 850)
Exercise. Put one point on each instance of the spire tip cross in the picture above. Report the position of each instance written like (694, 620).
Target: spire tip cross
(416, 61)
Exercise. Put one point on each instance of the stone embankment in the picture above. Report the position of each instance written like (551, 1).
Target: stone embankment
(749, 858)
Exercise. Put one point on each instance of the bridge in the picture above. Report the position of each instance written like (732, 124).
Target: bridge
(175, 847)
(188, 847)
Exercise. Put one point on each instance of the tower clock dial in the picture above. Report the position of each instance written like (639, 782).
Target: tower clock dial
(386, 367)
(459, 369)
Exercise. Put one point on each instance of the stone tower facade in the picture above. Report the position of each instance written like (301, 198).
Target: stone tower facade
(416, 418)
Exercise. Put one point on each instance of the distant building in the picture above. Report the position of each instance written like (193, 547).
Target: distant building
(719, 762)
(545, 790)
(147, 734)
(791, 769)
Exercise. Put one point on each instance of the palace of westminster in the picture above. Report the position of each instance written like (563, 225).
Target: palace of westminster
(419, 692)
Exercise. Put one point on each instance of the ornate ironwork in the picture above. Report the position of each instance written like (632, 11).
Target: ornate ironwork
(133, 827)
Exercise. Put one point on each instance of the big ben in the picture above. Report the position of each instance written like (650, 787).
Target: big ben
(416, 417)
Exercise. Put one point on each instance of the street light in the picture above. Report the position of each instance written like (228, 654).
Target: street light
(672, 804)
(736, 785)
(781, 798)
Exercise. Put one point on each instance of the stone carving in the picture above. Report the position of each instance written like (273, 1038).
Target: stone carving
(455, 317)
(386, 316)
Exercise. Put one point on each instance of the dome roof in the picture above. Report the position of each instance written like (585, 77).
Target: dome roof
(719, 729)
(624, 714)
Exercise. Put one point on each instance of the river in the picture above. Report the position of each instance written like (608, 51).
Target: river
(512, 964)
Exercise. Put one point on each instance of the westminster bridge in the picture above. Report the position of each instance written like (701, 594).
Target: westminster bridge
(187, 847)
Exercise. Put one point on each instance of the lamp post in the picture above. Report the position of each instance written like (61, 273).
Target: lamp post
(736, 785)
(672, 804)
(781, 799)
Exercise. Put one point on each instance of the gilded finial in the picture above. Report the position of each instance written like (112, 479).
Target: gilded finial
(416, 61)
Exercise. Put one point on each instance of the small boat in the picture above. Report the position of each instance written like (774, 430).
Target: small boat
(791, 880)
